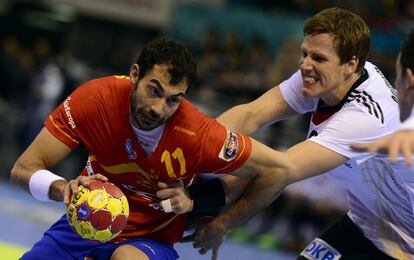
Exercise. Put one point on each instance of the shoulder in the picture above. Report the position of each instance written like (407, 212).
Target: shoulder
(191, 122)
(104, 93)
(375, 96)
(108, 85)
(191, 115)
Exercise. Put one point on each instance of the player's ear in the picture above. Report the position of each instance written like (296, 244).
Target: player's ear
(410, 78)
(352, 64)
(134, 74)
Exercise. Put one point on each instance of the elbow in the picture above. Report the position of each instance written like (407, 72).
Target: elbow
(284, 176)
(17, 173)
(14, 173)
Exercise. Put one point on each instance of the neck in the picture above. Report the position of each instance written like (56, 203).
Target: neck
(337, 95)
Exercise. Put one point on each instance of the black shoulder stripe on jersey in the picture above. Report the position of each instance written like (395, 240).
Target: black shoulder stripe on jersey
(376, 104)
(366, 99)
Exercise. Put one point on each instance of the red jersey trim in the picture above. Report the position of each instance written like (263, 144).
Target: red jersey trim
(122, 168)
(60, 129)
(166, 223)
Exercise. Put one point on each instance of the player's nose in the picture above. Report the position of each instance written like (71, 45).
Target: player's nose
(305, 64)
(157, 107)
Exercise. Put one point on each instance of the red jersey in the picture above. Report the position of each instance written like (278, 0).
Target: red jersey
(97, 115)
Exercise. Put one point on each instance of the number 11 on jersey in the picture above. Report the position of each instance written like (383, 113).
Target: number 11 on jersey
(177, 155)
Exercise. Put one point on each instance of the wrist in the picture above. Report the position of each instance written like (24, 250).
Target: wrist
(207, 196)
(56, 190)
(40, 184)
(223, 227)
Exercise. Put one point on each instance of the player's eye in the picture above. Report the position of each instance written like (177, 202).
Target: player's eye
(318, 58)
(304, 54)
(153, 91)
(173, 100)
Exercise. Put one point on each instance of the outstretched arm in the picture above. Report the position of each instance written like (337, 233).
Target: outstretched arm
(267, 109)
(275, 171)
(400, 142)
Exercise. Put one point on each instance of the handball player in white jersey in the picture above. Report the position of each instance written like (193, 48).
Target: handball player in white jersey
(351, 102)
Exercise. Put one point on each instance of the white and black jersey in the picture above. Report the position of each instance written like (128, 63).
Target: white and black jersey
(380, 194)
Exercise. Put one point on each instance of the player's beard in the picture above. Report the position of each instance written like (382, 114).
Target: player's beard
(140, 118)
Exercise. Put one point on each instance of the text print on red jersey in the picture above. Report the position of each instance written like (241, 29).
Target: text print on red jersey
(229, 150)
(68, 113)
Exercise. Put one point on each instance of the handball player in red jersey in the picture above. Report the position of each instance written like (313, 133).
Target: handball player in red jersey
(145, 137)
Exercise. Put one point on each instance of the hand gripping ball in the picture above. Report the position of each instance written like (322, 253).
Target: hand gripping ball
(99, 212)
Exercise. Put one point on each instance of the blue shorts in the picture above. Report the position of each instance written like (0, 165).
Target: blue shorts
(61, 242)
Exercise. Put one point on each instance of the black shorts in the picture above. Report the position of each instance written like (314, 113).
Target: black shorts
(343, 240)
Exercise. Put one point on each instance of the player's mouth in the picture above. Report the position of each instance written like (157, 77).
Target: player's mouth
(308, 81)
(149, 120)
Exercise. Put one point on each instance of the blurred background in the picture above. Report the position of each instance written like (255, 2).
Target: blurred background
(243, 48)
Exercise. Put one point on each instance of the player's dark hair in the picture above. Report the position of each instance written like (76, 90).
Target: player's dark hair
(352, 37)
(407, 52)
(182, 65)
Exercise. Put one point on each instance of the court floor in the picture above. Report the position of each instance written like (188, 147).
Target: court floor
(23, 221)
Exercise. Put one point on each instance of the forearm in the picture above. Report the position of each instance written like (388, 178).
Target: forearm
(23, 170)
(51, 184)
(30, 170)
(259, 194)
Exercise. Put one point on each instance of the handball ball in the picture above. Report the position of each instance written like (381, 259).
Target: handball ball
(99, 212)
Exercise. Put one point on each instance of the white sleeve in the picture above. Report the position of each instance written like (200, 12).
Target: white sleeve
(408, 124)
(291, 90)
(349, 128)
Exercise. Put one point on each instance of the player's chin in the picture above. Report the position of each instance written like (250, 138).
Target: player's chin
(308, 92)
(150, 125)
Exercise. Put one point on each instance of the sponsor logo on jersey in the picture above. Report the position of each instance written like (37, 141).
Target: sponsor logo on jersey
(320, 250)
(83, 212)
(129, 148)
(66, 107)
(184, 130)
(229, 150)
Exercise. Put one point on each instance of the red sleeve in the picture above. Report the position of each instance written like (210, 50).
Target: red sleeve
(222, 151)
(74, 114)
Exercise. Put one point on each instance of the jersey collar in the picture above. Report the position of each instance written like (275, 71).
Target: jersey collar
(325, 108)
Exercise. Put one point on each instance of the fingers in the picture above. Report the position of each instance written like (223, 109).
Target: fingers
(374, 147)
(171, 184)
(407, 152)
(72, 186)
(359, 147)
(189, 238)
(214, 255)
(166, 206)
(168, 193)
(394, 150)
(162, 185)
(99, 177)
(171, 189)
(202, 251)
(66, 194)
(174, 197)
